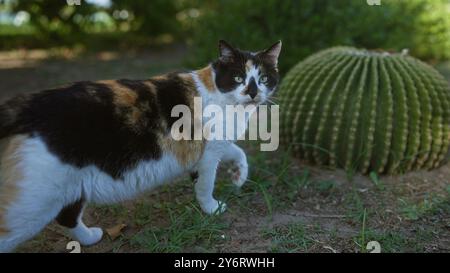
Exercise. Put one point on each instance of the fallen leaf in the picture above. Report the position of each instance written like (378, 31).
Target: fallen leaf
(115, 231)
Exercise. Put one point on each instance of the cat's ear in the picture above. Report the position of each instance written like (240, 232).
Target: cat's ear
(226, 51)
(272, 53)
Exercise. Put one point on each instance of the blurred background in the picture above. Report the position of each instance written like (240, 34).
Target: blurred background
(79, 27)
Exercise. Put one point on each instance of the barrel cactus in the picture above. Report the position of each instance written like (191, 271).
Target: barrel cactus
(366, 111)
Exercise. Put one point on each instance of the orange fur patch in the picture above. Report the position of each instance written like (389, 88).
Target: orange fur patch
(187, 78)
(159, 78)
(206, 77)
(186, 151)
(125, 98)
(151, 86)
(122, 95)
(10, 176)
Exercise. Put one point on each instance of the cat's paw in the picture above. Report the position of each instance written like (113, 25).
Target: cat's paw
(214, 207)
(91, 236)
(239, 174)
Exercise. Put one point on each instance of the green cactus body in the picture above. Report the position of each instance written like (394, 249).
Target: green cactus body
(366, 111)
(312, 66)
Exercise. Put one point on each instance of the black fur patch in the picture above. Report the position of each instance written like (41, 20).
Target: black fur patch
(68, 216)
(172, 91)
(194, 176)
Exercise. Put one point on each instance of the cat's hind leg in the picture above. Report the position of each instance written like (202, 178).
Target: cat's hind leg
(23, 224)
(23, 220)
(28, 201)
(71, 217)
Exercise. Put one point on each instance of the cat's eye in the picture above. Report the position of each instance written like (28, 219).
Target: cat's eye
(263, 79)
(238, 79)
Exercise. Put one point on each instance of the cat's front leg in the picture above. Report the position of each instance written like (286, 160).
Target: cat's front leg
(239, 172)
(204, 188)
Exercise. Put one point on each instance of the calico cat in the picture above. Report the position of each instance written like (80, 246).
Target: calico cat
(107, 141)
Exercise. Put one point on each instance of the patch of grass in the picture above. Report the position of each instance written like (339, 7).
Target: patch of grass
(114, 210)
(376, 181)
(361, 241)
(273, 178)
(295, 184)
(356, 209)
(189, 228)
(118, 244)
(142, 213)
(429, 205)
(288, 239)
(390, 242)
(324, 186)
(268, 199)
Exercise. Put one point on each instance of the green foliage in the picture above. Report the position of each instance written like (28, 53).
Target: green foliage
(132, 23)
(305, 26)
(55, 19)
(151, 18)
(366, 111)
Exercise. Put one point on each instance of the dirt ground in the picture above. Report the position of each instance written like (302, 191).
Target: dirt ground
(287, 206)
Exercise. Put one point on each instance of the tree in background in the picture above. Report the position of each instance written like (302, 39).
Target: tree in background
(306, 26)
(149, 18)
(136, 22)
(55, 19)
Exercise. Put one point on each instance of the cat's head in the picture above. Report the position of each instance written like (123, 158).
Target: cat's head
(246, 77)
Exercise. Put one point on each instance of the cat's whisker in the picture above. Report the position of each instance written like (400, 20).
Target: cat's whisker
(271, 101)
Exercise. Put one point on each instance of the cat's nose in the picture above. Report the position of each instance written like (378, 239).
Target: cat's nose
(252, 88)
